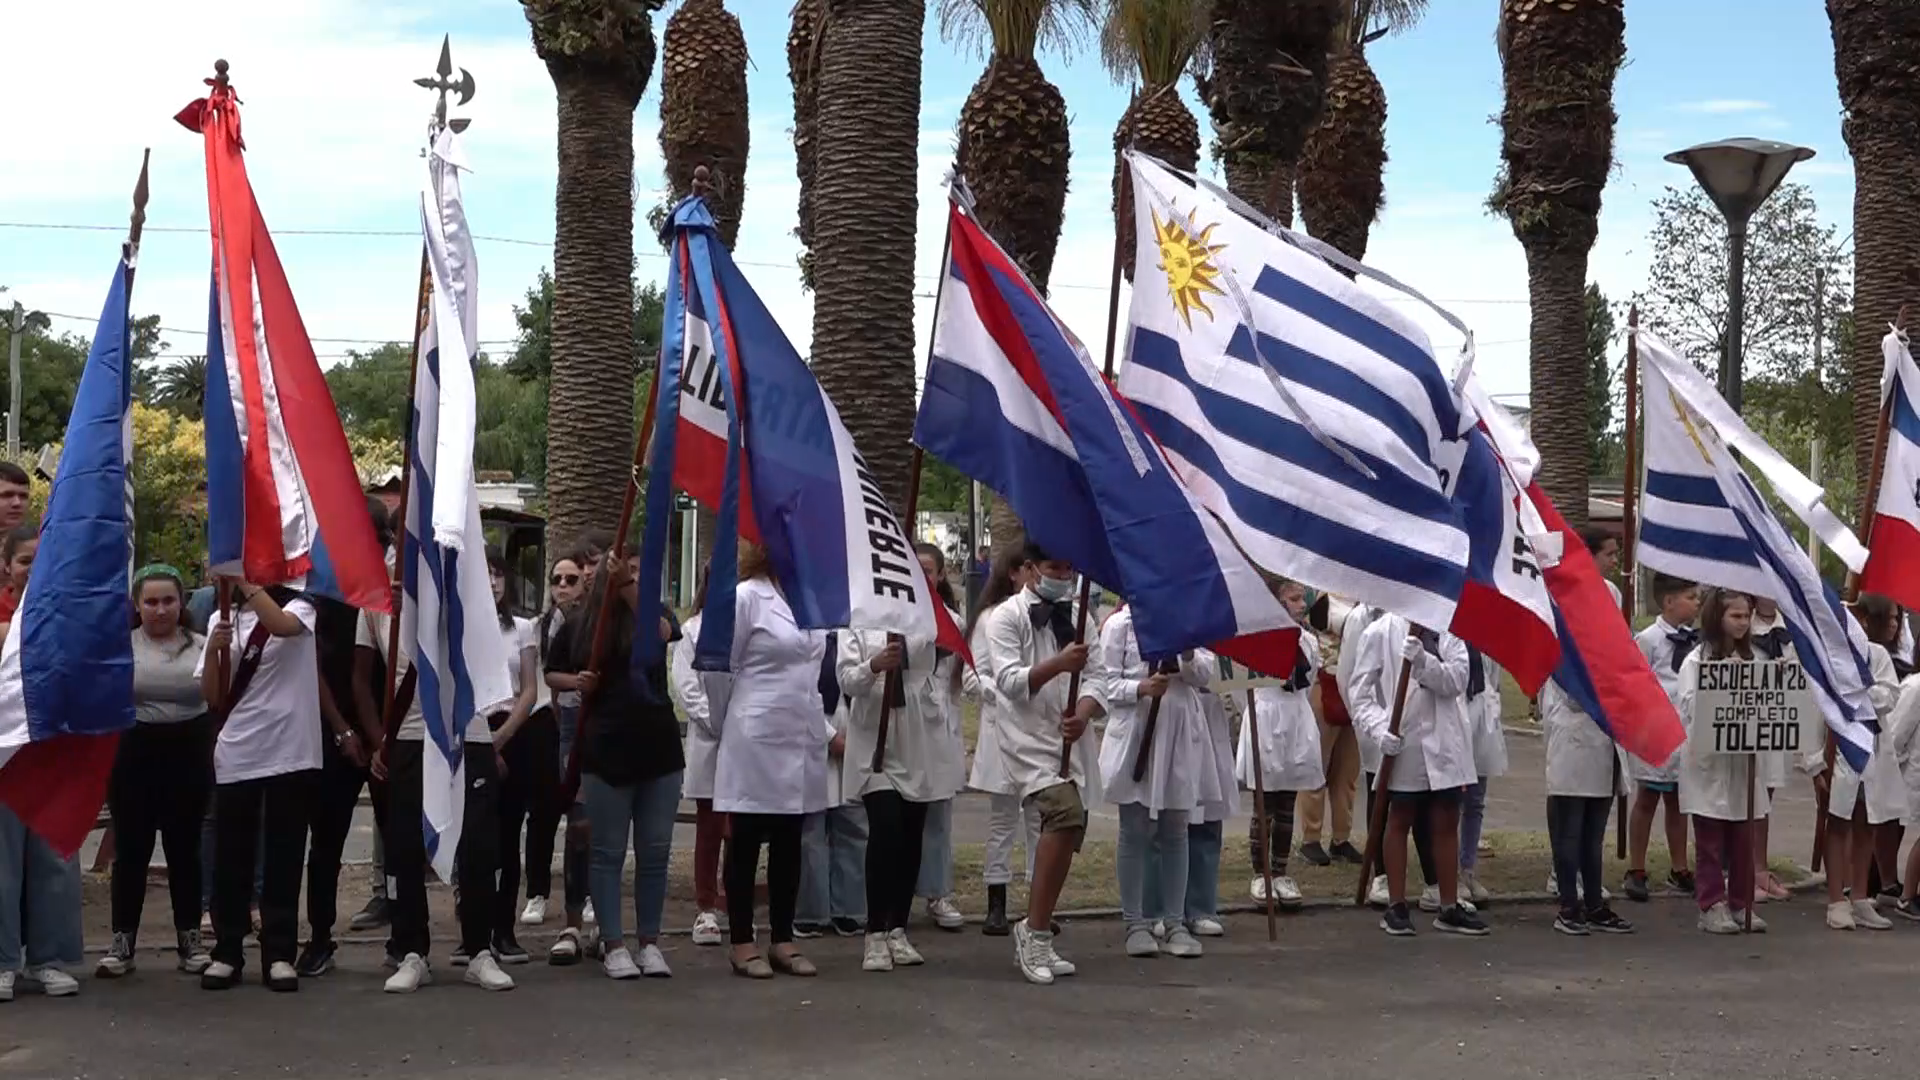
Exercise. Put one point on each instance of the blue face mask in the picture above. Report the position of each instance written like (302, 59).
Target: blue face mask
(1053, 590)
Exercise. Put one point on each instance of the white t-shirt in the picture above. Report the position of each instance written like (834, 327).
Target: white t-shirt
(526, 635)
(275, 726)
(372, 634)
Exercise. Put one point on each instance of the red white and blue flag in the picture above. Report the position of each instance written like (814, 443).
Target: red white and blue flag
(1893, 555)
(1014, 401)
(278, 465)
(66, 670)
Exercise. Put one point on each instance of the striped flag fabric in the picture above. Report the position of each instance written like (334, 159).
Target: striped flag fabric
(66, 669)
(1893, 560)
(447, 620)
(1703, 519)
(1013, 400)
(278, 465)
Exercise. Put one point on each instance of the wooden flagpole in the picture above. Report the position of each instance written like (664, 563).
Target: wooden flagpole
(389, 717)
(1629, 508)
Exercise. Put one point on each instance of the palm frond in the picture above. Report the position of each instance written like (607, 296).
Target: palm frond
(1018, 28)
(1152, 41)
(1370, 20)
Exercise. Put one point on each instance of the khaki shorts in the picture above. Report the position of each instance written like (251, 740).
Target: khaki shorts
(1060, 808)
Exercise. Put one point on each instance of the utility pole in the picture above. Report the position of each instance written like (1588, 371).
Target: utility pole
(18, 325)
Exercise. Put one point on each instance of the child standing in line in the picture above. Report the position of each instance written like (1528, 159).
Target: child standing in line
(1489, 761)
(1713, 787)
(1580, 792)
(1665, 644)
(1286, 720)
(1859, 807)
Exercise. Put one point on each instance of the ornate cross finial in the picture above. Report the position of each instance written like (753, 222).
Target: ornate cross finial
(443, 82)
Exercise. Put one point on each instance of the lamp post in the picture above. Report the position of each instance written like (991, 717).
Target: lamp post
(1738, 175)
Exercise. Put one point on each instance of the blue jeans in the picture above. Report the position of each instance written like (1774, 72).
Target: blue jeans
(1203, 869)
(1473, 817)
(37, 885)
(833, 865)
(1150, 849)
(936, 853)
(647, 809)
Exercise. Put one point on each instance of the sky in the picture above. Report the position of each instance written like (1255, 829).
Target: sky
(334, 127)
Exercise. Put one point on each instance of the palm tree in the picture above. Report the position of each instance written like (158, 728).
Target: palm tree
(181, 387)
(1014, 148)
(703, 107)
(599, 54)
(1263, 78)
(1153, 42)
(1879, 89)
(1559, 58)
(864, 203)
(803, 58)
(1341, 182)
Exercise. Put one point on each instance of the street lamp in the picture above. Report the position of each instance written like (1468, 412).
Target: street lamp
(1738, 175)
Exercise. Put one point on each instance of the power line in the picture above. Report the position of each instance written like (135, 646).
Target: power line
(322, 340)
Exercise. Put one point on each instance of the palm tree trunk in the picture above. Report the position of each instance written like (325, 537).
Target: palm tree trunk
(865, 203)
(590, 427)
(1557, 355)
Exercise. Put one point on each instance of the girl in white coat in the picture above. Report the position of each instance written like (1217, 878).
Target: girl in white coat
(1860, 808)
(1005, 815)
(1155, 809)
(1287, 721)
(703, 746)
(949, 764)
(771, 767)
(1581, 774)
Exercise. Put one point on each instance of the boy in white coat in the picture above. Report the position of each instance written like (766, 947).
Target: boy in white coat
(1433, 756)
(1665, 643)
(1287, 721)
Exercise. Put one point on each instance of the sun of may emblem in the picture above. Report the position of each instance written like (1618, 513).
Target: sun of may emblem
(1187, 260)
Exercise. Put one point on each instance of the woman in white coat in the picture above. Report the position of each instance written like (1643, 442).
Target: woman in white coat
(1155, 809)
(771, 765)
(1005, 814)
(1859, 808)
(1581, 779)
(1287, 719)
(950, 761)
(703, 745)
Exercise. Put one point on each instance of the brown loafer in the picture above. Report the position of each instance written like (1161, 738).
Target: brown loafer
(752, 968)
(794, 964)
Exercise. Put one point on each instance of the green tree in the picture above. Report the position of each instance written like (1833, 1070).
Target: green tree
(370, 390)
(180, 387)
(532, 356)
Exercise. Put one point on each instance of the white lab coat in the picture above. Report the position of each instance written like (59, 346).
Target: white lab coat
(923, 761)
(1580, 756)
(1180, 772)
(1885, 788)
(690, 691)
(773, 729)
(1489, 736)
(1289, 734)
(989, 772)
(1029, 738)
(1903, 743)
(1658, 647)
(1715, 785)
(1219, 764)
(1352, 629)
(1435, 729)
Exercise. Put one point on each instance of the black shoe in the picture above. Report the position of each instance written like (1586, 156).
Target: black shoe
(507, 950)
(1892, 892)
(1347, 853)
(316, 959)
(1571, 923)
(1604, 921)
(1681, 880)
(1908, 910)
(1636, 887)
(807, 931)
(846, 927)
(371, 917)
(1315, 854)
(1458, 920)
(1397, 922)
(996, 924)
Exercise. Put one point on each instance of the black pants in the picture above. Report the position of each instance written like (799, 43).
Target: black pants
(1279, 806)
(1577, 829)
(334, 802)
(162, 778)
(538, 741)
(895, 828)
(475, 861)
(519, 789)
(279, 808)
(1422, 838)
(780, 834)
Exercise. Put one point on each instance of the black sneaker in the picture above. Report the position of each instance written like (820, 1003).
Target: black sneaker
(1892, 892)
(1397, 922)
(1636, 887)
(1571, 923)
(371, 917)
(507, 949)
(1681, 880)
(846, 927)
(1458, 920)
(316, 959)
(1347, 853)
(807, 931)
(1605, 921)
(1908, 910)
(1315, 854)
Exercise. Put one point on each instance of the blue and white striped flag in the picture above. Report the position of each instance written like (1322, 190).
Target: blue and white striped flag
(447, 620)
(1306, 413)
(1702, 519)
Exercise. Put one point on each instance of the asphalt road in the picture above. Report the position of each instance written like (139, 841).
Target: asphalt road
(1335, 998)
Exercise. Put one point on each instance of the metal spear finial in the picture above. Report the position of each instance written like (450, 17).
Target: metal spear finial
(139, 220)
(443, 82)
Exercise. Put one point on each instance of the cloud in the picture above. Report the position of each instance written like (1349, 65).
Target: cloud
(1724, 106)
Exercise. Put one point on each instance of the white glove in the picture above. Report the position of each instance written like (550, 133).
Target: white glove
(1390, 745)
(1411, 648)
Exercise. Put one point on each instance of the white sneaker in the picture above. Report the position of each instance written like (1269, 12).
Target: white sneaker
(6, 986)
(535, 912)
(1868, 916)
(1209, 927)
(904, 954)
(1471, 888)
(1840, 916)
(1182, 943)
(946, 915)
(1034, 953)
(1258, 890)
(486, 973)
(653, 963)
(1059, 965)
(706, 929)
(53, 981)
(1377, 894)
(1286, 892)
(879, 957)
(586, 913)
(1718, 920)
(1430, 899)
(412, 974)
(619, 964)
(1141, 944)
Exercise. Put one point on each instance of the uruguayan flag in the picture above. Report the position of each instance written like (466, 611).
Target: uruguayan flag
(447, 621)
(1702, 519)
(1306, 413)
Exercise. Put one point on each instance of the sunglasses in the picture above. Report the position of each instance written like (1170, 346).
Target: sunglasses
(566, 579)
